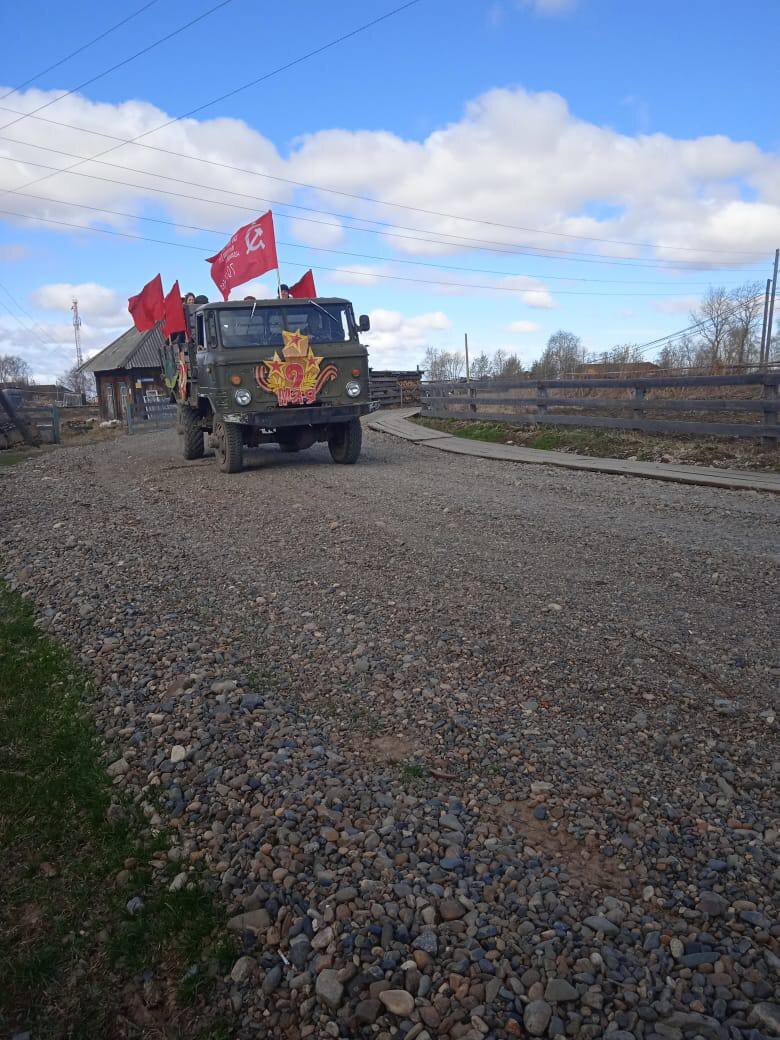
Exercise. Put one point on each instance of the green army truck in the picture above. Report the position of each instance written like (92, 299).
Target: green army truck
(290, 372)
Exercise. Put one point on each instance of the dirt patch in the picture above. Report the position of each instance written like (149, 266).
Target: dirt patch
(587, 867)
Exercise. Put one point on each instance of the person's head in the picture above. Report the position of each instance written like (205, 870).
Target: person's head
(189, 298)
(201, 299)
(284, 292)
(249, 299)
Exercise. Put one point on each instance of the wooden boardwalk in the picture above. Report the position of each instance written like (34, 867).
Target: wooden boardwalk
(397, 423)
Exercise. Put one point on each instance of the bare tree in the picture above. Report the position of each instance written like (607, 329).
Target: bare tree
(14, 369)
(481, 367)
(443, 365)
(714, 316)
(745, 322)
(563, 353)
(511, 368)
(79, 381)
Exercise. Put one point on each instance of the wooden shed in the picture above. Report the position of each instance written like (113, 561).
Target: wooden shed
(128, 369)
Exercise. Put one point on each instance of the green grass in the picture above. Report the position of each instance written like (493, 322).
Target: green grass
(413, 775)
(68, 946)
(11, 458)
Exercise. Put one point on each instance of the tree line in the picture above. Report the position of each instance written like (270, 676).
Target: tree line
(726, 331)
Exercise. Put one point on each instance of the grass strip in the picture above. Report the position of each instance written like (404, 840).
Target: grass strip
(74, 851)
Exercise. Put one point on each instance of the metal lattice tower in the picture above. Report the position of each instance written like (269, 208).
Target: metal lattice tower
(77, 332)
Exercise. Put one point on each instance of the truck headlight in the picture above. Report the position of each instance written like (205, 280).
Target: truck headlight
(353, 389)
(243, 397)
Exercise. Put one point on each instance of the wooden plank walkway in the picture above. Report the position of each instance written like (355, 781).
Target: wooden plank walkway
(397, 423)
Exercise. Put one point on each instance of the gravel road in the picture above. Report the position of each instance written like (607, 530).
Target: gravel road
(470, 749)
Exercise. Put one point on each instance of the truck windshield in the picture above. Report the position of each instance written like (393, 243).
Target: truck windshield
(325, 323)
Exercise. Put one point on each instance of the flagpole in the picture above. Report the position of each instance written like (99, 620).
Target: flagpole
(278, 284)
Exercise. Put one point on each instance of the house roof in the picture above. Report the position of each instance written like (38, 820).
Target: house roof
(133, 349)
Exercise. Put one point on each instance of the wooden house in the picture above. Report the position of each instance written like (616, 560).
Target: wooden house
(128, 370)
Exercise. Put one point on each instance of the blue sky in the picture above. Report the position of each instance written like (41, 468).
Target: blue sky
(602, 120)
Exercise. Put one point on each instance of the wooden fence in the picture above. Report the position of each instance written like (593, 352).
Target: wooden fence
(630, 404)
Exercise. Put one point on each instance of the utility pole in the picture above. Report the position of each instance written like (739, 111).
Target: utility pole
(77, 337)
(466, 344)
(763, 326)
(770, 316)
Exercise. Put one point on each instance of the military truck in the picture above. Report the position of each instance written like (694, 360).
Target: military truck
(290, 372)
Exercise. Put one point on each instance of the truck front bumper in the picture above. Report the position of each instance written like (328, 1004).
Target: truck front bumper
(281, 418)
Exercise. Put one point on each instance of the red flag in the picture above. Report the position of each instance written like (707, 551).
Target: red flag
(174, 312)
(304, 289)
(249, 253)
(148, 307)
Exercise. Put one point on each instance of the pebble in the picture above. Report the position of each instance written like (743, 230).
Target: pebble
(525, 821)
(536, 1017)
(398, 1001)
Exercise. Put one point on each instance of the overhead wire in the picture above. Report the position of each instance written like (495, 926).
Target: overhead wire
(78, 50)
(380, 202)
(643, 347)
(320, 267)
(35, 325)
(362, 256)
(122, 63)
(381, 227)
(237, 90)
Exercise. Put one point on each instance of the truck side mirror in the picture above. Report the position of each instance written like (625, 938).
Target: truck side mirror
(364, 324)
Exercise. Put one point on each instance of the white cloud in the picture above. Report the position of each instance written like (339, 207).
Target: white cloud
(95, 300)
(355, 274)
(398, 341)
(311, 234)
(519, 159)
(523, 326)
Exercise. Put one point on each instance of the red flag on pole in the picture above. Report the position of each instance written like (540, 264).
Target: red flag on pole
(304, 289)
(249, 253)
(148, 307)
(174, 312)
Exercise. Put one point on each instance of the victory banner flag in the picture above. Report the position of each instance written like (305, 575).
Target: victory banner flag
(148, 307)
(304, 289)
(174, 312)
(249, 253)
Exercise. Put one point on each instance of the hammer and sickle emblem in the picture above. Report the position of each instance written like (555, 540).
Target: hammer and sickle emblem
(254, 239)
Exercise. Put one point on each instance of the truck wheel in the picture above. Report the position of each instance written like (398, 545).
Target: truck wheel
(230, 447)
(345, 442)
(192, 433)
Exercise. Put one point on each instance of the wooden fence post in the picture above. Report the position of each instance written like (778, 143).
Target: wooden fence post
(638, 410)
(19, 421)
(56, 433)
(770, 416)
(541, 391)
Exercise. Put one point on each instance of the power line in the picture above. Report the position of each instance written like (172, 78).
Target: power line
(35, 325)
(121, 64)
(343, 252)
(382, 227)
(320, 267)
(78, 50)
(374, 201)
(643, 347)
(274, 72)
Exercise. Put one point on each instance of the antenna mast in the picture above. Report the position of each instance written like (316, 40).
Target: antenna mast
(77, 332)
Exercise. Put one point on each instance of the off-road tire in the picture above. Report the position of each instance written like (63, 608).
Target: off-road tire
(345, 442)
(230, 447)
(192, 433)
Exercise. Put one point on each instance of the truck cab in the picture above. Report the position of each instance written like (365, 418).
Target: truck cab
(291, 372)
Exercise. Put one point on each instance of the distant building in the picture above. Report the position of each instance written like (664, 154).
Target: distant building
(128, 370)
